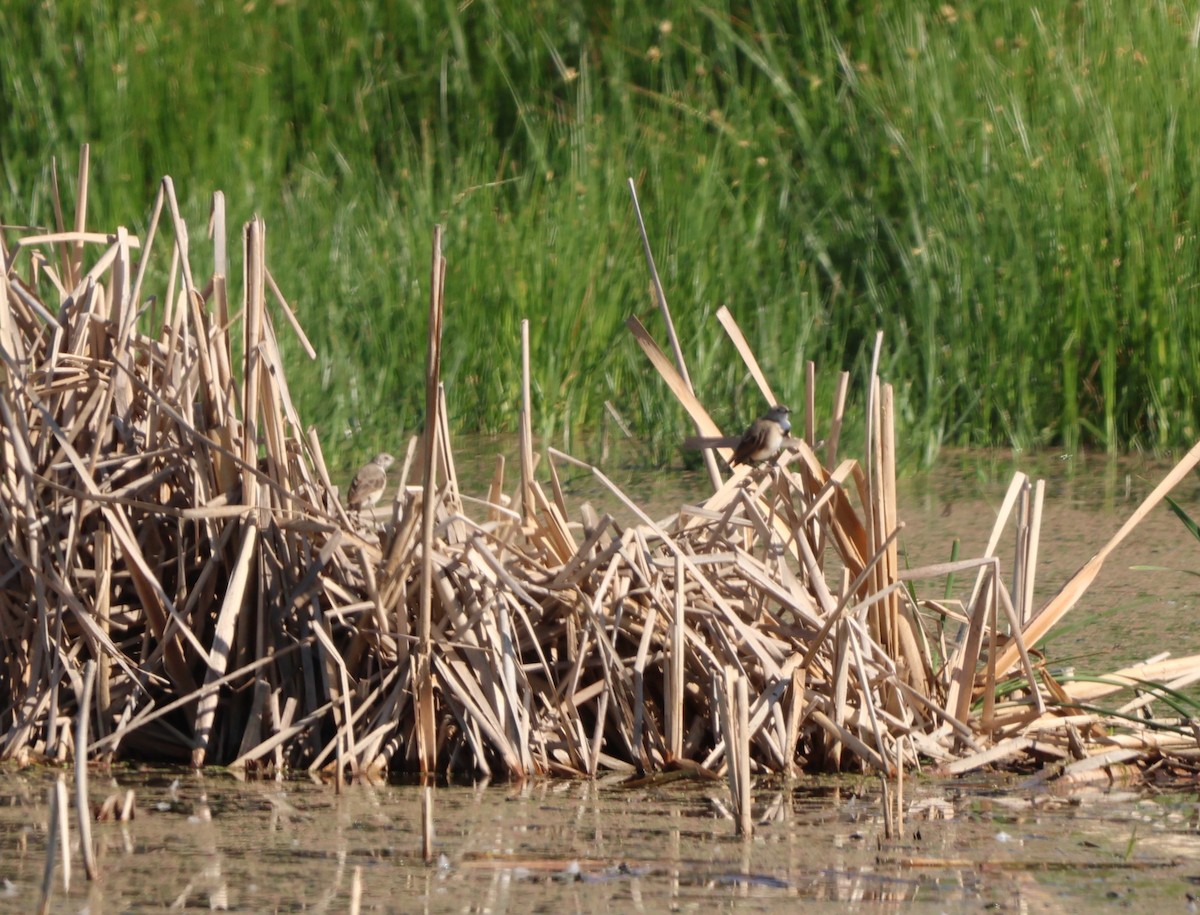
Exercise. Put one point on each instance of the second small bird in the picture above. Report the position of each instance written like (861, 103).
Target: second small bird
(764, 438)
(370, 482)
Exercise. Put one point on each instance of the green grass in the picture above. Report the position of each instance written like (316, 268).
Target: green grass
(1010, 195)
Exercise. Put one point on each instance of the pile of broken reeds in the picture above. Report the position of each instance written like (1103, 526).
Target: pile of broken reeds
(167, 516)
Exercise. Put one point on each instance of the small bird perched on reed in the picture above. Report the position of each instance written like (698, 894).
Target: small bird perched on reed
(764, 438)
(370, 482)
(759, 443)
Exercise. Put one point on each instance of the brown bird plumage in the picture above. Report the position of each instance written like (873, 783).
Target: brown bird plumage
(370, 482)
(764, 438)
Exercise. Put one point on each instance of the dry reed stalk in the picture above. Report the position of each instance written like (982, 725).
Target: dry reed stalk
(965, 658)
(1083, 691)
(835, 422)
(890, 830)
(526, 426)
(734, 332)
(427, 823)
(356, 890)
(676, 667)
(810, 404)
(422, 676)
(679, 387)
(660, 294)
(1029, 555)
(83, 810)
(745, 800)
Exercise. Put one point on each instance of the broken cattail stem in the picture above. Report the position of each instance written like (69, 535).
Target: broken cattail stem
(427, 823)
(885, 802)
(676, 666)
(745, 801)
(356, 890)
(526, 428)
(83, 810)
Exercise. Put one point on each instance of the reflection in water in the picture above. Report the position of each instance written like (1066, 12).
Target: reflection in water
(217, 844)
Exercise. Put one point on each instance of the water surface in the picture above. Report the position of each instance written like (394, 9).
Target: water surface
(212, 843)
(993, 843)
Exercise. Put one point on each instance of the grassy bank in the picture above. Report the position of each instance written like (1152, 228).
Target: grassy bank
(1009, 194)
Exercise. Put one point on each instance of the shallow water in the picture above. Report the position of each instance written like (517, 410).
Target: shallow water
(1128, 614)
(210, 842)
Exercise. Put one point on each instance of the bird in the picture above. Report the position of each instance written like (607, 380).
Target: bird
(370, 482)
(764, 438)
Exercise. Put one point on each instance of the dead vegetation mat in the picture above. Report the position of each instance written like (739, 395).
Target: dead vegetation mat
(167, 515)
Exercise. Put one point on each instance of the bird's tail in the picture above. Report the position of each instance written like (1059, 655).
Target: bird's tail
(711, 441)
